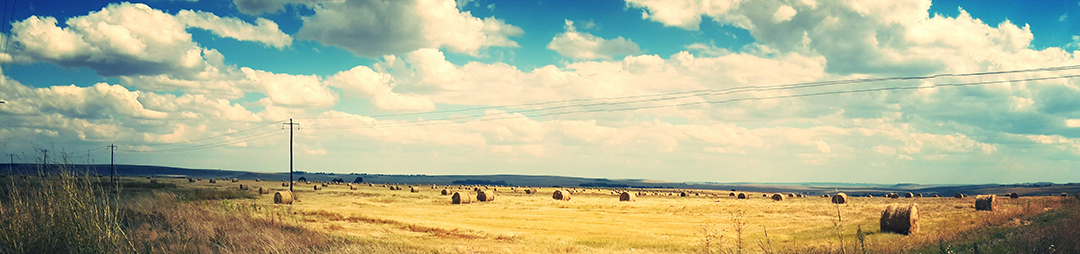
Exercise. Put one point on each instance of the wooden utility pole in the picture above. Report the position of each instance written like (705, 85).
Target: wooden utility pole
(45, 161)
(291, 124)
(112, 161)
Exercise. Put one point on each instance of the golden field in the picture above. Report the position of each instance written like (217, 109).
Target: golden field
(595, 221)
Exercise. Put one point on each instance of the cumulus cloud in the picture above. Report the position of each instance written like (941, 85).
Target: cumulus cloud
(892, 37)
(265, 31)
(585, 46)
(134, 40)
(373, 28)
(291, 90)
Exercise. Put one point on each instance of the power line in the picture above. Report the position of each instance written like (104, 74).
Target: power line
(511, 115)
(252, 137)
(730, 90)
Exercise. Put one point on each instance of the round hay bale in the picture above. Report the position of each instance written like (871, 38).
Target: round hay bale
(459, 198)
(258, 180)
(283, 197)
(198, 179)
(264, 190)
(397, 187)
(959, 195)
(1063, 194)
(213, 181)
(317, 187)
(352, 187)
(235, 180)
(413, 189)
(764, 195)
(392, 188)
(901, 219)
(191, 180)
(778, 197)
(985, 202)
(800, 195)
(325, 185)
(626, 196)
(243, 187)
(918, 195)
(445, 192)
(936, 196)
(1014, 195)
(894, 195)
(791, 195)
(530, 191)
(485, 195)
(284, 184)
(370, 185)
(743, 195)
(561, 195)
(825, 195)
(840, 198)
(683, 194)
(731, 194)
(909, 195)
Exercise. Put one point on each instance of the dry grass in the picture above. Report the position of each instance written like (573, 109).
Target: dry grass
(593, 222)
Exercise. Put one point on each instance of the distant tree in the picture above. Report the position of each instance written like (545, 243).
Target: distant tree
(302, 179)
(338, 180)
(358, 180)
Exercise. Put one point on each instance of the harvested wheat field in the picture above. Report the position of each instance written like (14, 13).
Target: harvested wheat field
(596, 221)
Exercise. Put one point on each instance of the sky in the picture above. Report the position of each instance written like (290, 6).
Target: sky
(867, 91)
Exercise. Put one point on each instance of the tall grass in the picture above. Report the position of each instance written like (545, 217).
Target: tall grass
(59, 213)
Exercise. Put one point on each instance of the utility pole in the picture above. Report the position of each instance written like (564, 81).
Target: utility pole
(45, 161)
(11, 165)
(291, 124)
(112, 161)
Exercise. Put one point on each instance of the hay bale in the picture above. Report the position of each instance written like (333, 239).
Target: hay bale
(370, 185)
(235, 180)
(445, 192)
(258, 180)
(791, 195)
(198, 179)
(778, 197)
(485, 195)
(800, 195)
(213, 181)
(317, 187)
(909, 195)
(352, 187)
(392, 188)
(985, 202)
(683, 194)
(264, 190)
(840, 198)
(1063, 194)
(1014, 195)
(894, 195)
(901, 219)
(413, 189)
(283, 197)
(825, 195)
(743, 195)
(325, 185)
(191, 180)
(936, 196)
(243, 187)
(959, 195)
(918, 195)
(561, 195)
(459, 198)
(530, 191)
(626, 196)
(284, 184)
(731, 194)
(153, 180)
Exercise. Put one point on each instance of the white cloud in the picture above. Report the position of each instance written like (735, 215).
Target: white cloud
(134, 40)
(784, 13)
(585, 46)
(374, 28)
(291, 90)
(265, 31)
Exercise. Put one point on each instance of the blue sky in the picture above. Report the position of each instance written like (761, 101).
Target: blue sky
(206, 84)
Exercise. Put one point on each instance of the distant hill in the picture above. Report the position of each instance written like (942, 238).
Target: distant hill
(855, 189)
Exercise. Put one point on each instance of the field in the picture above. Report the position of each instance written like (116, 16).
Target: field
(380, 220)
